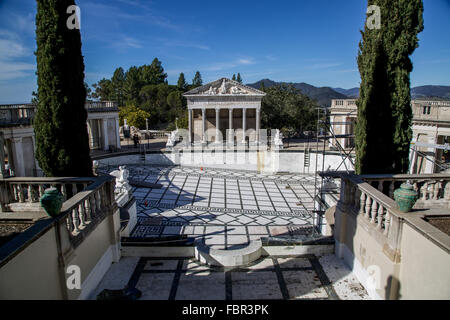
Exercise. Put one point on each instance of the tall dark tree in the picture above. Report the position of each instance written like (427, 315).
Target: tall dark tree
(152, 74)
(181, 84)
(62, 145)
(103, 90)
(384, 65)
(233, 77)
(117, 83)
(132, 85)
(238, 78)
(197, 81)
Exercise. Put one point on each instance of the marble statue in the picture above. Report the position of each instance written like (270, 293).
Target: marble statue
(278, 139)
(223, 88)
(122, 185)
(211, 91)
(171, 139)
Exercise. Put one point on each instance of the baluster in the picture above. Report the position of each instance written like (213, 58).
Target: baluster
(362, 203)
(41, 190)
(437, 189)
(88, 206)
(424, 191)
(21, 193)
(98, 199)
(76, 220)
(380, 216)
(387, 222)
(74, 189)
(69, 223)
(30, 193)
(391, 189)
(447, 191)
(368, 207)
(15, 193)
(380, 186)
(81, 212)
(374, 211)
(93, 205)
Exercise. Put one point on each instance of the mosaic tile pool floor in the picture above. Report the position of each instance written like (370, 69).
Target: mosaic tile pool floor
(223, 207)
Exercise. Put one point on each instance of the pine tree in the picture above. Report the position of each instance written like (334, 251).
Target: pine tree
(62, 145)
(197, 81)
(234, 77)
(385, 100)
(181, 84)
(238, 78)
(117, 83)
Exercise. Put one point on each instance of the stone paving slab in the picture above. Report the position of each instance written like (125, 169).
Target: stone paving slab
(289, 278)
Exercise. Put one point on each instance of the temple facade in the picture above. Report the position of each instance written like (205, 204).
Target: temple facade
(224, 111)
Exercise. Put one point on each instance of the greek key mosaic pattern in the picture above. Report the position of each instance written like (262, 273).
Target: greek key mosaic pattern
(240, 204)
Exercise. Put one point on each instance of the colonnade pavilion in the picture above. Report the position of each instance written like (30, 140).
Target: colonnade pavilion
(224, 111)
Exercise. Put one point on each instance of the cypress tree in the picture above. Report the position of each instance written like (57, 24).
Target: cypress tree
(233, 77)
(238, 78)
(181, 84)
(383, 128)
(197, 81)
(62, 146)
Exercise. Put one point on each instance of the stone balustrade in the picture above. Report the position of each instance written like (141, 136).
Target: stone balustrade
(433, 189)
(16, 114)
(87, 201)
(374, 207)
(26, 190)
(83, 211)
(23, 114)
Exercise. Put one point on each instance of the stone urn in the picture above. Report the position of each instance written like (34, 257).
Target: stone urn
(405, 197)
(52, 201)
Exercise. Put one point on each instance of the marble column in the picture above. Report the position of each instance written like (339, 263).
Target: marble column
(258, 125)
(105, 134)
(244, 124)
(203, 125)
(190, 126)
(17, 152)
(218, 139)
(117, 133)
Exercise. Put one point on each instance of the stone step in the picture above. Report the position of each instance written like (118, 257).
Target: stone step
(228, 258)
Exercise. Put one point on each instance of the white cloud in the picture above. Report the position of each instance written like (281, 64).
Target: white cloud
(12, 53)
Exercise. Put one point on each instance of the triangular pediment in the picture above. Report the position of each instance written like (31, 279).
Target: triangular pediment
(224, 86)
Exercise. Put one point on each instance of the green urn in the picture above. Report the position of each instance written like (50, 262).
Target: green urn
(52, 201)
(405, 197)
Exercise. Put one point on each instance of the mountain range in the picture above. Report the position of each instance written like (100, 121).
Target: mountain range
(324, 95)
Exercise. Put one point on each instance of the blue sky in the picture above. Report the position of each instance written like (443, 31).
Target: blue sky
(295, 41)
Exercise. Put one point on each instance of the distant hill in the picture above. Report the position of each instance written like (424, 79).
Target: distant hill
(431, 92)
(422, 92)
(322, 95)
(351, 93)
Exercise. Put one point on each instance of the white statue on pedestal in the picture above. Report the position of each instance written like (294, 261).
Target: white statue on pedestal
(122, 185)
(171, 139)
(278, 139)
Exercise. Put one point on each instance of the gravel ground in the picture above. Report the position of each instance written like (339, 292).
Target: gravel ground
(442, 224)
(9, 230)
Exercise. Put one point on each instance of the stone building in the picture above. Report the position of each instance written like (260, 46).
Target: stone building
(221, 105)
(431, 125)
(17, 133)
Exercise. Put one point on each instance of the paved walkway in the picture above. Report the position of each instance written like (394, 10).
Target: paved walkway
(226, 208)
(271, 278)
